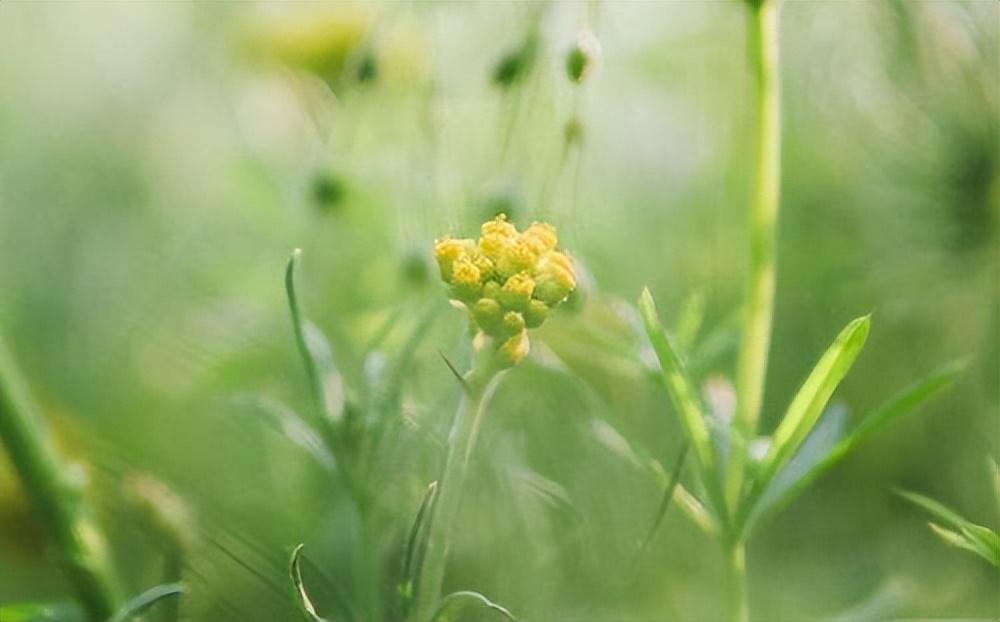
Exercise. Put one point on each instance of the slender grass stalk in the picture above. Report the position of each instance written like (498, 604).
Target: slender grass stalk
(736, 563)
(56, 502)
(477, 386)
(758, 313)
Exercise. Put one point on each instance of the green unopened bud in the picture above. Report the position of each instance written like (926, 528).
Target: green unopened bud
(488, 315)
(514, 65)
(583, 56)
(513, 323)
(535, 314)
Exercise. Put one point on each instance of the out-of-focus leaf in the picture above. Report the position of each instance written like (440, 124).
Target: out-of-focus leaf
(456, 603)
(668, 495)
(689, 322)
(811, 399)
(551, 494)
(906, 401)
(416, 545)
(317, 356)
(301, 597)
(960, 531)
(828, 432)
(684, 396)
(147, 599)
(287, 422)
(42, 612)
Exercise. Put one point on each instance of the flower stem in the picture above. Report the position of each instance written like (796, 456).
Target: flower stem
(55, 498)
(478, 384)
(736, 564)
(758, 312)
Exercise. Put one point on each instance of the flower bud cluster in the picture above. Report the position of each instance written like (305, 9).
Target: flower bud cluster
(509, 280)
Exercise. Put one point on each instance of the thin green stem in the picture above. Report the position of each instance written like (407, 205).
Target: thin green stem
(54, 498)
(758, 312)
(478, 384)
(736, 564)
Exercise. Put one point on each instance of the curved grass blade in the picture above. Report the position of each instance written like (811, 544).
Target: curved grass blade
(324, 381)
(685, 399)
(301, 597)
(808, 404)
(903, 403)
(976, 538)
(42, 612)
(456, 602)
(416, 544)
(668, 495)
(147, 599)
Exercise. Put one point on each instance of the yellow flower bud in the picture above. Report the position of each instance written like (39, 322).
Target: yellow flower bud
(555, 278)
(514, 349)
(516, 292)
(447, 251)
(535, 314)
(465, 279)
(517, 256)
(541, 237)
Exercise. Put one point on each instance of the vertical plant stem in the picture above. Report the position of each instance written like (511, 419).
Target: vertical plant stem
(758, 312)
(477, 386)
(54, 498)
(738, 595)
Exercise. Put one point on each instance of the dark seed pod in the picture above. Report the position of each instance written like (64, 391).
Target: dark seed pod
(582, 57)
(328, 192)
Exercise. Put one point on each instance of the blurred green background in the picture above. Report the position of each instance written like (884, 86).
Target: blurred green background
(159, 161)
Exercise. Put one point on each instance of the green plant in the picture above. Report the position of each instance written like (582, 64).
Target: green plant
(741, 485)
(958, 531)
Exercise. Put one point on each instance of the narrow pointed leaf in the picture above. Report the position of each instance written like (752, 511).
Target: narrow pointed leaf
(981, 540)
(147, 599)
(903, 403)
(453, 605)
(305, 605)
(668, 495)
(416, 544)
(810, 402)
(682, 392)
(324, 381)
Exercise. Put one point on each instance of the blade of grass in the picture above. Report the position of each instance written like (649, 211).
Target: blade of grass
(317, 356)
(903, 403)
(981, 540)
(685, 400)
(416, 544)
(807, 406)
(305, 605)
(668, 495)
(460, 601)
(147, 599)
(42, 612)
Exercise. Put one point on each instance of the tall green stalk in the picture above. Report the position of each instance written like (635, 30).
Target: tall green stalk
(758, 313)
(54, 498)
(736, 563)
(477, 384)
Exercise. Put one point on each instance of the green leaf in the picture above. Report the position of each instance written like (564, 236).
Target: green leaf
(301, 597)
(324, 381)
(668, 495)
(810, 402)
(684, 397)
(416, 545)
(144, 601)
(961, 531)
(42, 612)
(903, 403)
(454, 604)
